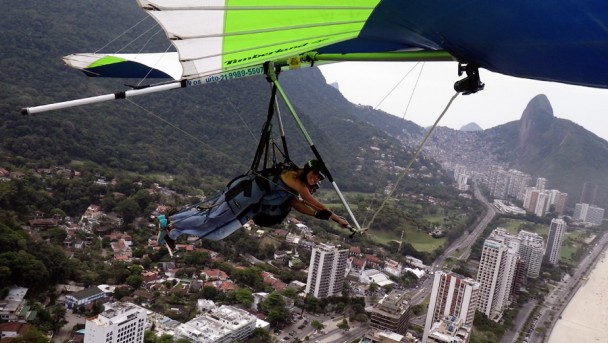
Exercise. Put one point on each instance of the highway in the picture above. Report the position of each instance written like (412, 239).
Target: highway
(557, 300)
(461, 246)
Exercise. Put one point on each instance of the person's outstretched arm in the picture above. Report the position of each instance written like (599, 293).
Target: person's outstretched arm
(312, 207)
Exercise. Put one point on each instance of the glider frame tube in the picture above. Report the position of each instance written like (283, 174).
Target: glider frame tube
(294, 114)
(102, 98)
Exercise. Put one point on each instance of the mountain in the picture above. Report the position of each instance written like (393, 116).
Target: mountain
(471, 127)
(212, 130)
(539, 144)
(199, 132)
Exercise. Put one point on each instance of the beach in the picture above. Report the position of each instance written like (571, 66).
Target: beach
(585, 316)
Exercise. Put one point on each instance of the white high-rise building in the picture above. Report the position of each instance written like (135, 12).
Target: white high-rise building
(531, 250)
(452, 295)
(554, 243)
(541, 183)
(326, 271)
(497, 266)
(595, 215)
(580, 211)
(461, 176)
(119, 323)
(542, 203)
(589, 213)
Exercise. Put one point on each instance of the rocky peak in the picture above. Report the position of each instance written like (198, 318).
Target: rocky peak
(536, 118)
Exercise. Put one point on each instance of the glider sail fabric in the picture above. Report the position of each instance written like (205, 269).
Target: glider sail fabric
(150, 65)
(218, 36)
(564, 41)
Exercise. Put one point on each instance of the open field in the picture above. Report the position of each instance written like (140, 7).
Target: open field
(421, 241)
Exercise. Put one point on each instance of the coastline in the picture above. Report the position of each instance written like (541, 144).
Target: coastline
(584, 318)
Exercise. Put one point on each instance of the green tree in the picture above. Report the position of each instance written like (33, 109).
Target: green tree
(26, 270)
(57, 212)
(30, 335)
(121, 292)
(149, 337)
(128, 209)
(343, 325)
(197, 258)
(317, 325)
(260, 335)
(244, 297)
(56, 235)
(135, 281)
(209, 292)
(165, 338)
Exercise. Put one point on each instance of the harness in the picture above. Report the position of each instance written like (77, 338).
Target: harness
(261, 196)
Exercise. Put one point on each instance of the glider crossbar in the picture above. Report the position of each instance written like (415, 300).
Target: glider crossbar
(398, 56)
(101, 98)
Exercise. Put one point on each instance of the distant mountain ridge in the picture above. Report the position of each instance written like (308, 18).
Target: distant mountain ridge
(197, 132)
(471, 127)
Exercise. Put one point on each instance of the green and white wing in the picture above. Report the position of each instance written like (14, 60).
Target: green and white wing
(149, 65)
(217, 36)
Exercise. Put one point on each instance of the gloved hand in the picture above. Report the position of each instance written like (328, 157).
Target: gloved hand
(323, 214)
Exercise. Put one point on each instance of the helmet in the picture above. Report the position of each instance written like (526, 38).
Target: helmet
(316, 166)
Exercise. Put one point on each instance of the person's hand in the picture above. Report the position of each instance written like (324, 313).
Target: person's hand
(343, 222)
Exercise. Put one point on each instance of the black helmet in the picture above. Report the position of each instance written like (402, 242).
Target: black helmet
(316, 166)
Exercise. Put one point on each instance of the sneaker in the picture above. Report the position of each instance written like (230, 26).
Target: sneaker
(169, 241)
(163, 221)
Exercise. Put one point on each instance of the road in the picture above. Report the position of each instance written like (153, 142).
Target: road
(557, 300)
(464, 243)
(329, 334)
(63, 335)
(512, 335)
(461, 245)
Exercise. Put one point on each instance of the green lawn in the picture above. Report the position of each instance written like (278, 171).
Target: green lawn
(421, 241)
(513, 226)
(566, 251)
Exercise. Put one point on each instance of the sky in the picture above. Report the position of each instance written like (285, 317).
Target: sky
(427, 88)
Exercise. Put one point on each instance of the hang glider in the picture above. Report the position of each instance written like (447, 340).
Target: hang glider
(563, 41)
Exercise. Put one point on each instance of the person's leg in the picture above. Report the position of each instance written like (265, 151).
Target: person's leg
(183, 214)
(199, 223)
(223, 231)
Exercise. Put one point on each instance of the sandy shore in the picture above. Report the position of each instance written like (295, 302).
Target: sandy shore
(585, 317)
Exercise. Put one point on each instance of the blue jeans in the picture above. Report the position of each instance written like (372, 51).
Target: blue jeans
(214, 224)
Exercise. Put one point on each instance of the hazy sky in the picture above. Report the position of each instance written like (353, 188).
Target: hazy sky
(503, 99)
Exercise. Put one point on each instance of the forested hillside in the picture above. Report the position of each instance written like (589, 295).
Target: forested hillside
(198, 132)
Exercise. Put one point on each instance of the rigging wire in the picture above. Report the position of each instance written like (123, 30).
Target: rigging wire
(414, 157)
(154, 66)
(409, 101)
(149, 39)
(395, 86)
(150, 112)
(136, 38)
(406, 108)
(228, 157)
(124, 32)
